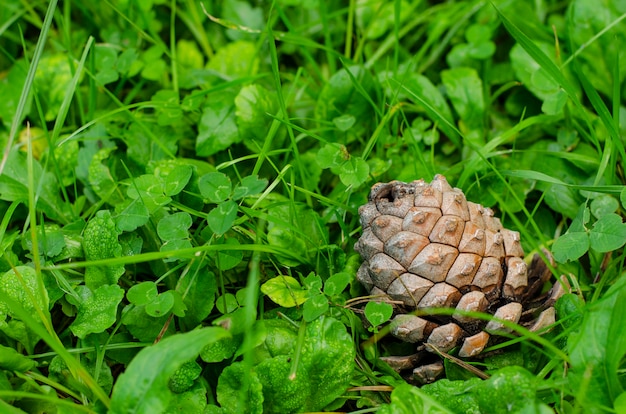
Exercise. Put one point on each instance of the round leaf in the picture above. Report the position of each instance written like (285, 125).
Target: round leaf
(337, 283)
(354, 171)
(222, 217)
(226, 303)
(177, 179)
(331, 155)
(175, 226)
(134, 215)
(98, 312)
(228, 259)
(344, 122)
(608, 233)
(285, 290)
(603, 204)
(215, 186)
(142, 293)
(161, 305)
(570, 246)
(250, 185)
(314, 307)
(378, 313)
(142, 388)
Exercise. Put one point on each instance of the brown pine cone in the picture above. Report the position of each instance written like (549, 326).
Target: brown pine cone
(425, 246)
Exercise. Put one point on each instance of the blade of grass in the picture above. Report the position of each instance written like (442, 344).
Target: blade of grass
(30, 78)
(549, 67)
(605, 116)
(78, 371)
(328, 42)
(174, 55)
(32, 222)
(539, 176)
(63, 110)
(281, 101)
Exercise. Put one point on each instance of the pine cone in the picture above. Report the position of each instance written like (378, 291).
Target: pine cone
(425, 246)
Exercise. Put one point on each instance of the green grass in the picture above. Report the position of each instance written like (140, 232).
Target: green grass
(180, 181)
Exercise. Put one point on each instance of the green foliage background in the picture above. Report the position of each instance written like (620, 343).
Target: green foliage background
(179, 186)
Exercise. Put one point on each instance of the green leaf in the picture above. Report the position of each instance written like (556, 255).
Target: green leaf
(346, 95)
(328, 358)
(540, 54)
(146, 145)
(100, 176)
(53, 78)
(100, 241)
(597, 349)
(184, 377)
(226, 303)
(249, 186)
(603, 205)
(285, 291)
(11, 360)
(10, 89)
(354, 172)
(314, 307)
(569, 310)
(239, 390)
(220, 350)
(178, 308)
(235, 60)
(619, 405)
(154, 67)
(332, 155)
(161, 305)
(217, 129)
(148, 189)
(421, 90)
(199, 287)
(143, 387)
(168, 109)
(175, 226)
(554, 103)
(228, 259)
(142, 293)
(455, 395)
(587, 19)
(608, 233)
(344, 122)
(215, 187)
(570, 246)
(465, 90)
(14, 186)
(336, 284)
(562, 199)
(408, 399)
(378, 313)
(133, 214)
(514, 386)
(313, 283)
(282, 392)
(143, 326)
(280, 336)
(622, 197)
(253, 104)
(173, 246)
(222, 217)
(298, 230)
(98, 311)
(176, 179)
